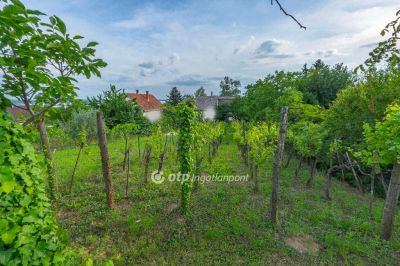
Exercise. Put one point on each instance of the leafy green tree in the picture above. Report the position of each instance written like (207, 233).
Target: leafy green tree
(39, 61)
(28, 231)
(229, 87)
(362, 103)
(117, 109)
(321, 83)
(200, 92)
(174, 97)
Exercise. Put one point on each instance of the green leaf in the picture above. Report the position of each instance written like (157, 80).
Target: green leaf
(92, 44)
(8, 186)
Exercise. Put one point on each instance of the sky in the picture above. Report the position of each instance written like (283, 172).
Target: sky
(157, 44)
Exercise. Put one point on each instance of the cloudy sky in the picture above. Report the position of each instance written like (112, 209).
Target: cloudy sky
(157, 44)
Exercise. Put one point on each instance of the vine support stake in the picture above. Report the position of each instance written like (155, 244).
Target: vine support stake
(105, 160)
(276, 170)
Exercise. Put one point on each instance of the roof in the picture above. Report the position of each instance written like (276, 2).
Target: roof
(204, 102)
(147, 101)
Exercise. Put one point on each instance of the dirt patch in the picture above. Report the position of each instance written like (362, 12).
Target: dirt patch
(171, 207)
(303, 244)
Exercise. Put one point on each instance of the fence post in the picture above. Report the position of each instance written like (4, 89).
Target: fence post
(105, 160)
(276, 170)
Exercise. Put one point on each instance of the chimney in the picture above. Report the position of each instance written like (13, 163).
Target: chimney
(137, 91)
(147, 96)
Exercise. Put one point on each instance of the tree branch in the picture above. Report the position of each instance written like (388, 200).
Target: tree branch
(287, 14)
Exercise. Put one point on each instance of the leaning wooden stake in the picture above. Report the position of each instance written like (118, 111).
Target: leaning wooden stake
(276, 170)
(105, 160)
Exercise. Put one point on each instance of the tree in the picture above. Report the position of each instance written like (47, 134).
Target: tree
(321, 82)
(200, 92)
(174, 97)
(229, 87)
(39, 61)
(117, 109)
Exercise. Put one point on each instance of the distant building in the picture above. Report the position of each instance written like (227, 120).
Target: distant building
(151, 106)
(208, 104)
(19, 112)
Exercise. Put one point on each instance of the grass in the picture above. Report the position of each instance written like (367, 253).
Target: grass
(227, 224)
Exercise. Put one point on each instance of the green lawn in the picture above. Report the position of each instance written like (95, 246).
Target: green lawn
(228, 223)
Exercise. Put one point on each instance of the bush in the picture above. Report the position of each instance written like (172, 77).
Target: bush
(27, 227)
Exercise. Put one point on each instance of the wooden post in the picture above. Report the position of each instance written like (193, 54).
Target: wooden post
(105, 160)
(128, 170)
(276, 170)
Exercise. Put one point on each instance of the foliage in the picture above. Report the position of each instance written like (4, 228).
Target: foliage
(84, 119)
(174, 97)
(386, 50)
(200, 92)
(321, 82)
(262, 139)
(185, 148)
(229, 87)
(169, 118)
(38, 59)
(362, 103)
(384, 138)
(117, 109)
(63, 113)
(308, 138)
(28, 229)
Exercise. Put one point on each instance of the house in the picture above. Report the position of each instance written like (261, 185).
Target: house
(208, 104)
(151, 106)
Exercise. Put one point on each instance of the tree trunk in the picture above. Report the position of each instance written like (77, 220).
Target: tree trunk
(384, 185)
(391, 203)
(147, 156)
(371, 201)
(359, 185)
(105, 160)
(289, 159)
(297, 171)
(128, 170)
(276, 169)
(313, 168)
(75, 167)
(44, 138)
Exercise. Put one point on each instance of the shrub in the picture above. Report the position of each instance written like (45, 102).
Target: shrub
(27, 227)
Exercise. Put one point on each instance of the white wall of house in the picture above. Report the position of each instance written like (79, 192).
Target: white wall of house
(209, 113)
(153, 115)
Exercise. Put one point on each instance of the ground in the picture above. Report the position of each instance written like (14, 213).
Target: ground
(227, 224)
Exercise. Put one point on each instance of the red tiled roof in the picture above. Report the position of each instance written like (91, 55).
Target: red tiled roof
(147, 101)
